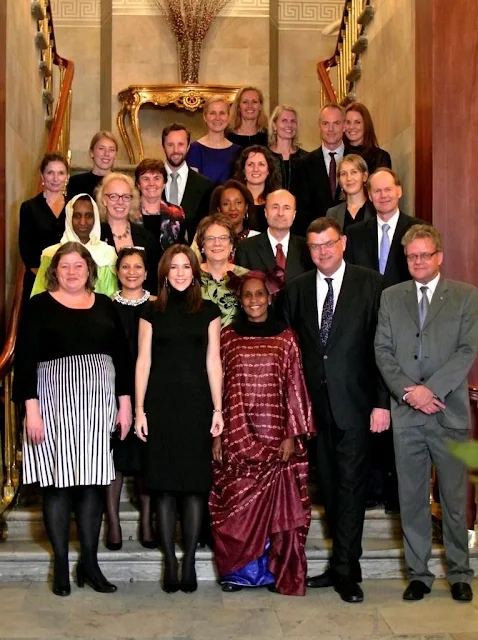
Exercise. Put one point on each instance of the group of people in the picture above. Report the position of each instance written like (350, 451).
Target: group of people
(255, 297)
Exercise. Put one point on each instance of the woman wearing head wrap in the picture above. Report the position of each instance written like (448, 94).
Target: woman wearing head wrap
(83, 225)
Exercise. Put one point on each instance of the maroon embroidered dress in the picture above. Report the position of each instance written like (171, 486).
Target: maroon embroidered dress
(258, 501)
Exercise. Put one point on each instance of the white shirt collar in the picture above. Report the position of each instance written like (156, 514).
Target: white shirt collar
(432, 285)
(182, 171)
(338, 275)
(339, 152)
(392, 223)
(284, 242)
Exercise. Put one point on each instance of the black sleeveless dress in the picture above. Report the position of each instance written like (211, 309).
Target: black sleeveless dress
(178, 402)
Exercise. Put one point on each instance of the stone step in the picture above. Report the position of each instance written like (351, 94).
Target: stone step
(27, 524)
(28, 560)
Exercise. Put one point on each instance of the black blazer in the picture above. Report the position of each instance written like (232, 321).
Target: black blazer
(347, 362)
(310, 184)
(374, 158)
(338, 212)
(39, 228)
(195, 202)
(362, 248)
(144, 239)
(256, 254)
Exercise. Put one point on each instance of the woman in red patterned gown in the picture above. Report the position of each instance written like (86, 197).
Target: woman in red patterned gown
(259, 506)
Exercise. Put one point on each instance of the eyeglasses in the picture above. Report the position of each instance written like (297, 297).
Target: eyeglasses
(413, 257)
(221, 239)
(116, 197)
(325, 245)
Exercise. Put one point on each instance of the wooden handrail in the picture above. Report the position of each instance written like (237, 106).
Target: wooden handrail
(323, 73)
(61, 111)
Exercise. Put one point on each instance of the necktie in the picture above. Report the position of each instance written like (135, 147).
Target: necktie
(280, 257)
(423, 306)
(384, 249)
(327, 313)
(332, 174)
(173, 189)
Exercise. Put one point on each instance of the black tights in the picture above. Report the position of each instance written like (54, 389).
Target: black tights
(113, 494)
(192, 506)
(89, 504)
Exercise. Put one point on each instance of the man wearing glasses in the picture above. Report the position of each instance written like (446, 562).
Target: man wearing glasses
(333, 310)
(426, 343)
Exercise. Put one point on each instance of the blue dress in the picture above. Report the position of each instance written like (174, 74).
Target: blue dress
(215, 164)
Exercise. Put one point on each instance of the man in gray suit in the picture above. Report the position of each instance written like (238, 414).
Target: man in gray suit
(425, 345)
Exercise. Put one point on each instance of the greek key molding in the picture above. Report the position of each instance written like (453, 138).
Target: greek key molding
(289, 14)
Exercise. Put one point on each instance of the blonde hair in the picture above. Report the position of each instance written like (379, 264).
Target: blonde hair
(359, 163)
(215, 98)
(273, 119)
(103, 134)
(235, 112)
(133, 214)
(422, 232)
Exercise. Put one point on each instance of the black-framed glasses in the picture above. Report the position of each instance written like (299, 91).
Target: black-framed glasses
(325, 245)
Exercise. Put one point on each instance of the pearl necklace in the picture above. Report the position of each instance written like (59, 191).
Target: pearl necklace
(131, 303)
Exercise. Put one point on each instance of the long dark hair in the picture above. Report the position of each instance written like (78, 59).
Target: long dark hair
(272, 182)
(193, 297)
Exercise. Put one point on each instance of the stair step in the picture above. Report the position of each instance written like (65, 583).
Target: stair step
(27, 560)
(27, 524)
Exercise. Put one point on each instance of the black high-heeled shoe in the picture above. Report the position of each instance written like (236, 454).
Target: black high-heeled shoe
(61, 589)
(189, 583)
(97, 584)
(114, 546)
(147, 544)
(170, 580)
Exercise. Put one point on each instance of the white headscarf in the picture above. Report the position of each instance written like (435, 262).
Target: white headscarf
(102, 253)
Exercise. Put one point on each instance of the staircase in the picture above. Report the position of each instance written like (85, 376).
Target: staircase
(25, 554)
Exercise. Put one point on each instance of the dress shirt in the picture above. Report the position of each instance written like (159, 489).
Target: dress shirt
(432, 285)
(392, 223)
(339, 153)
(284, 242)
(182, 172)
(322, 288)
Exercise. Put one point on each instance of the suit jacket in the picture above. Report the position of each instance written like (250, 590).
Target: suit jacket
(338, 212)
(362, 248)
(449, 346)
(195, 201)
(310, 184)
(346, 363)
(256, 254)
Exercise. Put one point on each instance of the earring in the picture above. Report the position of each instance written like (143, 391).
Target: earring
(193, 282)
(166, 282)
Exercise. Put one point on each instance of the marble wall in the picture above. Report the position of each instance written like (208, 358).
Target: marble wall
(25, 125)
(387, 87)
(274, 44)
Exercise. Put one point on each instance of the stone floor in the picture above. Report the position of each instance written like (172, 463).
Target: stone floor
(142, 610)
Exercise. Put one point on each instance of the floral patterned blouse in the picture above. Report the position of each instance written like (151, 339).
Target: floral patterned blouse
(218, 292)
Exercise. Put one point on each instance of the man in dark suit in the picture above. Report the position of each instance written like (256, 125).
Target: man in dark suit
(276, 249)
(376, 244)
(426, 344)
(184, 187)
(333, 310)
(314, 179)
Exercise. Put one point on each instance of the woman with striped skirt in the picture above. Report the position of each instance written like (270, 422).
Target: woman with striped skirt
(70, 368)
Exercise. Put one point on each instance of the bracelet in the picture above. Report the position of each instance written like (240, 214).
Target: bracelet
(217, 410)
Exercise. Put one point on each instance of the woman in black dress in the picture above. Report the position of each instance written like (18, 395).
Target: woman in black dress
(42, 219)
(129, 301)
(360, 137)
(284, 142)
(247, 119)
(179, 405)
(257, 169)
(71, 370)
(118, 201)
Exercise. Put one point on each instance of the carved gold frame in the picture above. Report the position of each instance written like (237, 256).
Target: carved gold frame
(190, 97)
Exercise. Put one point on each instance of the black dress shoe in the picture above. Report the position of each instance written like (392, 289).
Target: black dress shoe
(229, 587)
(348, 589)
(170, 582)
(392, 508)
(99, 584)
(114, 546)
(462, 592)
(189, 583)
(372, 503)
(416, 590)
(326, 579)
